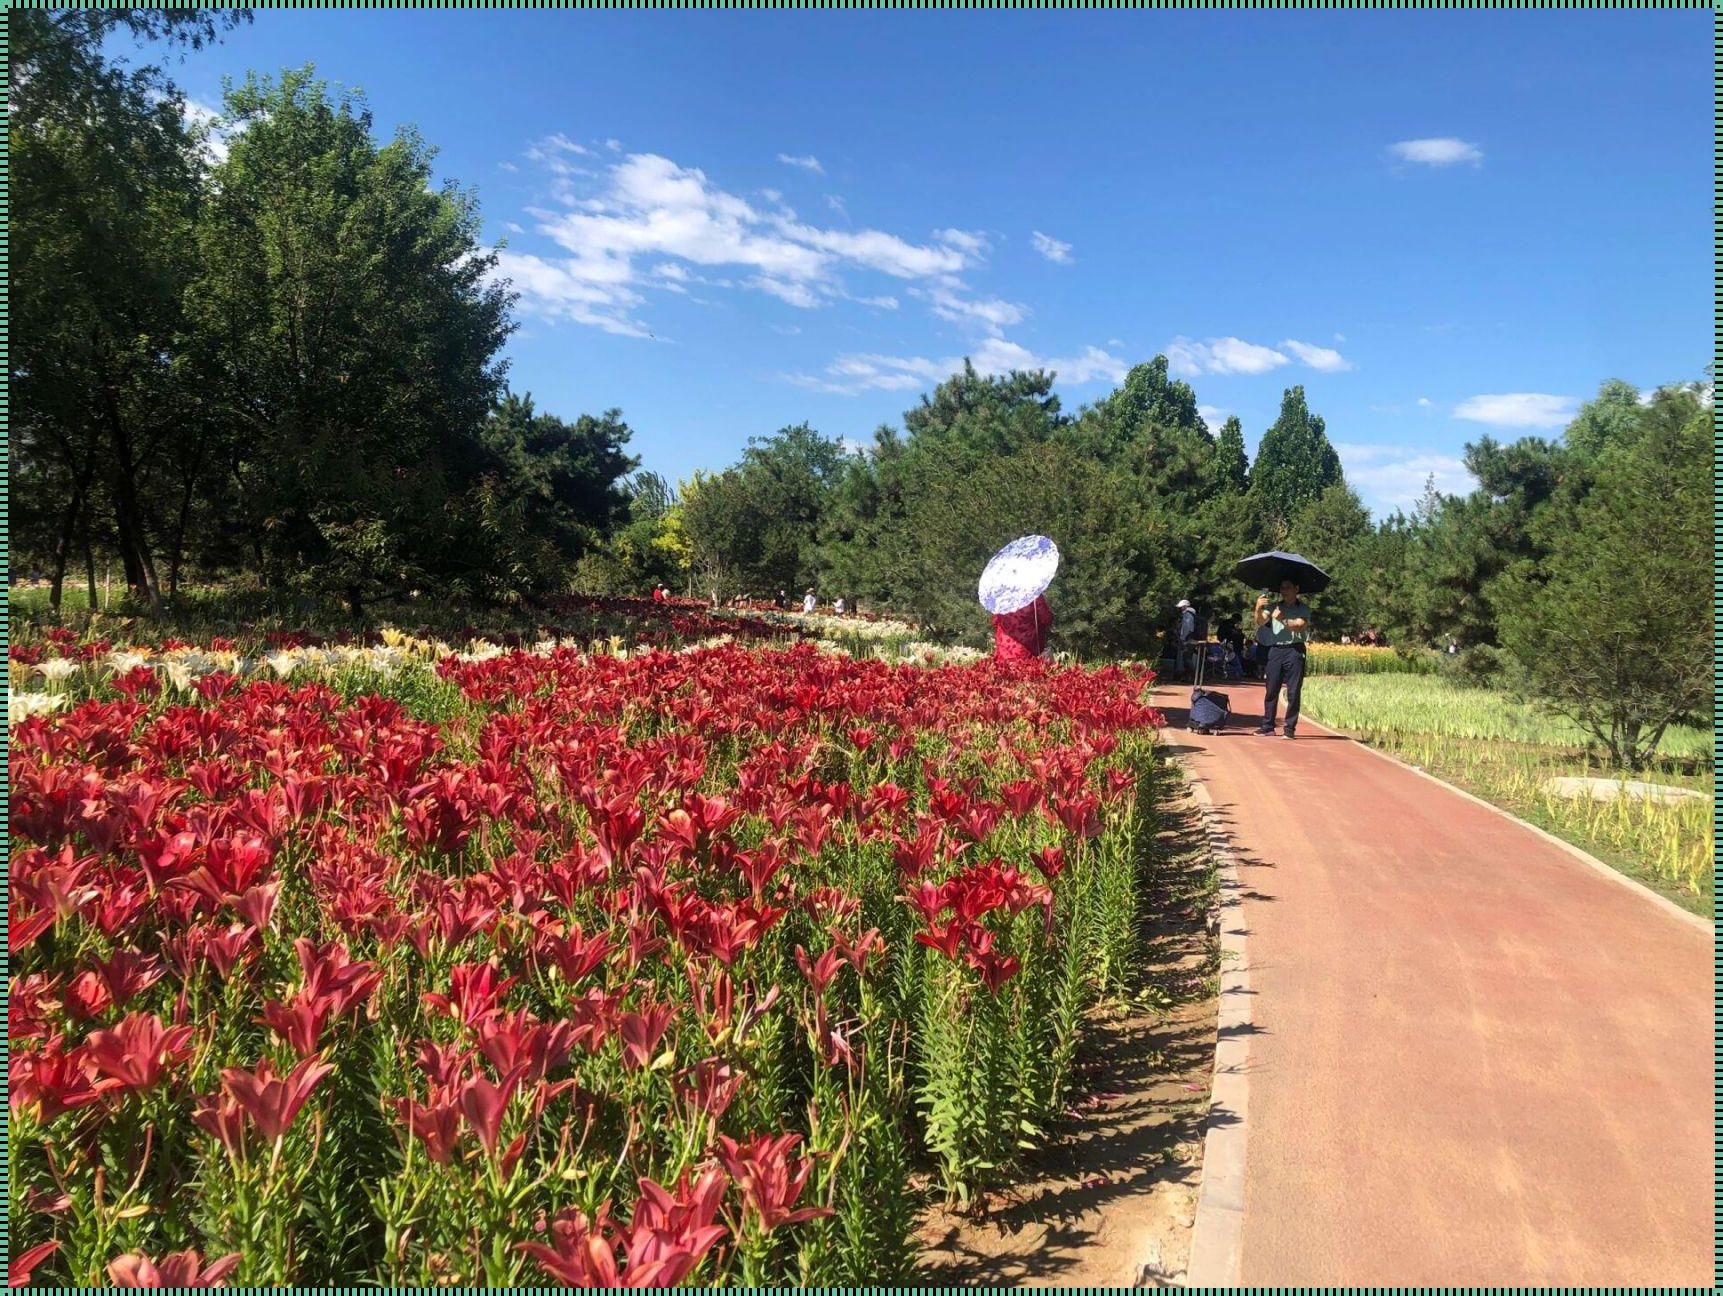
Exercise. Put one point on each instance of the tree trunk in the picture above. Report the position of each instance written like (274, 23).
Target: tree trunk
(128, 513)
(90, 569)
(68, 537)
(57, 588)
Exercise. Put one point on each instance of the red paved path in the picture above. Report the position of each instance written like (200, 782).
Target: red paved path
(1474, 1061)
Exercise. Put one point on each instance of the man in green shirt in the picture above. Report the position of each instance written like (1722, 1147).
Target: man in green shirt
(1283, 628)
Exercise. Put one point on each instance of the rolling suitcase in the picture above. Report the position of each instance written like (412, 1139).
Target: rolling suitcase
(1209, 709)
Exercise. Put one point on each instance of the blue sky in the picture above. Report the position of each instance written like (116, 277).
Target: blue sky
(1442, 225)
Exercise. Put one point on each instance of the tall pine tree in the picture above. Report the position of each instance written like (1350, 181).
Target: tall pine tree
(1294, 464)
(1232, 468)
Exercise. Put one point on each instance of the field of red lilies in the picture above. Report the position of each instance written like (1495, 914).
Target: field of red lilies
(703, 965)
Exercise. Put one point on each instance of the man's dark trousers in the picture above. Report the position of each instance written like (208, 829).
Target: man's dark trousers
(1285, 667)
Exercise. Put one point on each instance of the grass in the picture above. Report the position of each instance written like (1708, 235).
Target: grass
(1429, 704)
(1504, 750)
(1356, 659)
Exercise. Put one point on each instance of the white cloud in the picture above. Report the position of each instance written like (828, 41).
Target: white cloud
(1340, 337)
(972, 243)
(881, 303)
(1220, 356)
(990, 316)
(877, 250)
(1518, 410)
(614, 145)
(561, 143)
(550, 152)
(855, 373)
(850, 446)
(1213, 415)
(1424, 402)
(1390, 477)
(796, 294)
(1051, 248)
(507, 166)
(513, 228)
(575, 289)
(1322, 359)
(837, 204)
(648, 206)
(850, 374)
(1445, 151)
(807, 162)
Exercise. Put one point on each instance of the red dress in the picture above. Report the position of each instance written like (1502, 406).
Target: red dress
(1020, 635)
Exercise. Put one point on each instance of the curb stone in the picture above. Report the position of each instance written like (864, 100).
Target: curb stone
(1217, 1235)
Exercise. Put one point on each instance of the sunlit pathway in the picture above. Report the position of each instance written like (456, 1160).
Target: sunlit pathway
(1473, 1060)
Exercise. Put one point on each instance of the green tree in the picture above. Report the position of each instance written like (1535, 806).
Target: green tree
(1053, 490)
(787, 478)
(1609, 418)
(104, 185)
(969, 418)
(350, 331)
(547, 493)
(721, 530)
(1232, 467)
(863, 534)
(645, 550)
(1294, 464)
(1465, 545)
(1612, 626)
(1330, 531)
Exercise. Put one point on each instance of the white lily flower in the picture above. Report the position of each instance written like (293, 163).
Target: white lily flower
(57, 669)
(21, 706)
(282, 663)
(122, 663)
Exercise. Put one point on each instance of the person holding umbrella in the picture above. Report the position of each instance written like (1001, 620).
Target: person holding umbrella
(1282, 628)
(1284, 625)
(1012, 591)
(1020, 635)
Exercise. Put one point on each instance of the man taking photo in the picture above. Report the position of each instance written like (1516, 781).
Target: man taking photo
(1283, 628)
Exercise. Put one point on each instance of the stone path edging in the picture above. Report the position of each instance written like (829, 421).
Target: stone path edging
(1217, 1235)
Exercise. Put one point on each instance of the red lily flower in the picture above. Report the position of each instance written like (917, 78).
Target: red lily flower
(819, 972)
(178, 1269)
(474, 993)
(271, 1101)
(484, 1104)
(641, 1033)
(87, 997)
(769, 1179)
(23, 929)
(24, 1266)
(135, 1054)
(51, 1080)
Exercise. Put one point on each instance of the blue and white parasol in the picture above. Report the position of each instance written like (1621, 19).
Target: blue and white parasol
(1018, 573)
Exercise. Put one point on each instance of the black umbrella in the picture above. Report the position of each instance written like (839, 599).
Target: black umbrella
(1267, 570)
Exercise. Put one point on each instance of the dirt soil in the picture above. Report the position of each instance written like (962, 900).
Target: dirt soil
(1110, 1201)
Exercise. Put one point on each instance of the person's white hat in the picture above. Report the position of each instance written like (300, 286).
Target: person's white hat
(1184, 603)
